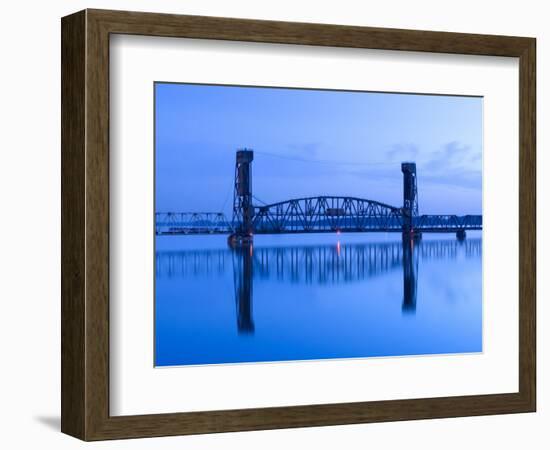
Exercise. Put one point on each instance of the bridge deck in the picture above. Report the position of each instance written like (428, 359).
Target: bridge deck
(216, 223)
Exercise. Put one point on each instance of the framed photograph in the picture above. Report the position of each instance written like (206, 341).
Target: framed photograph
(271, 224)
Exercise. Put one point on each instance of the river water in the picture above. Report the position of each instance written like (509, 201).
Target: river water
(318, 296)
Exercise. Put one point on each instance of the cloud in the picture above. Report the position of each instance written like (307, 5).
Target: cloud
(475, 158)
(452, 155)
(455, 164)
(458, 178)
(402, 152)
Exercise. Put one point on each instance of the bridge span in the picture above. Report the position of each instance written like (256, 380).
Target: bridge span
(321, 214)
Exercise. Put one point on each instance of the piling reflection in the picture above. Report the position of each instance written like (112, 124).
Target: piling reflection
(410, 271)
(242, 279)
(315, 265)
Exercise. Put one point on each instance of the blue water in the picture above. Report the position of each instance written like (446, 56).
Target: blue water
(302, 297)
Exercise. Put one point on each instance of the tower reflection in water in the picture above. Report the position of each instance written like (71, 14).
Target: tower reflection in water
(242, 278)
(410, 270)
(313, 264)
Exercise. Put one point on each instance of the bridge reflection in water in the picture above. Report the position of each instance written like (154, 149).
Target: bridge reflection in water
(313, 264)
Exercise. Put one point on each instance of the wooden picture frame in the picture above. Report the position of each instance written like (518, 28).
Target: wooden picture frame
(85, 224)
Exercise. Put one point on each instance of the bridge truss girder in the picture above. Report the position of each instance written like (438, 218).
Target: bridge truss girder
(191, 223)
(325, 214)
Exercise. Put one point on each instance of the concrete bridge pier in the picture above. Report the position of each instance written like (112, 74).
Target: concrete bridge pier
(461, 234)
(412, 235)
(236, 240)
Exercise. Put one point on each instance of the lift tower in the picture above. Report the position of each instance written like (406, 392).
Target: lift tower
(410, 196)
(243, 210)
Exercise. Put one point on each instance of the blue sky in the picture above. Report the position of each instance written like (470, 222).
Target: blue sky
(316, 142)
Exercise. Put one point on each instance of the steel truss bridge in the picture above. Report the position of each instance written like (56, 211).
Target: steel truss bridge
(316, 215)
(321, 214)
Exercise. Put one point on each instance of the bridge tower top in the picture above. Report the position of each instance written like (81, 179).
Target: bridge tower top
(243, 174)
(243, 210)
(410, 194)
(410, 190)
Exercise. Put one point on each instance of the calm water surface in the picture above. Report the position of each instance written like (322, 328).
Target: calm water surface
(300, 297)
